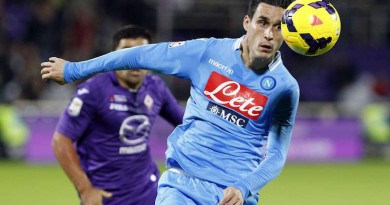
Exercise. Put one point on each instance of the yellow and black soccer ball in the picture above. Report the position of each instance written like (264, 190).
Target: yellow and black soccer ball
(311, 27)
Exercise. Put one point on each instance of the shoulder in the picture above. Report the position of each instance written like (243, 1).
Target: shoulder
(291, 85)
(97, 81)
(156, 85)
(291, 82)
(153, 79)
(212, 41)
(280, 71)
(222, 41)
(154, 82)
(94, 86)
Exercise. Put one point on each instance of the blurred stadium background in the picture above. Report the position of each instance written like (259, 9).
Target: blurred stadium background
(340, 152)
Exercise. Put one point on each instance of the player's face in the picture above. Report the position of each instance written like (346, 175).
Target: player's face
(264, 34)
(131, 78)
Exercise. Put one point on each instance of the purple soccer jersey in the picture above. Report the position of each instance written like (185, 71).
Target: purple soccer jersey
(110, 126)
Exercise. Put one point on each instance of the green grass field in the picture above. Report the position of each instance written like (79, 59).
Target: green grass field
(366, 183)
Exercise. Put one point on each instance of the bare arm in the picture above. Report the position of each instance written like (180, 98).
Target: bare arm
(69, 161)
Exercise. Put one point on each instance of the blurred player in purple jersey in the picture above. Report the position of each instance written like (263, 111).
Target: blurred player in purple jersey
(101, 140)
(239, 118)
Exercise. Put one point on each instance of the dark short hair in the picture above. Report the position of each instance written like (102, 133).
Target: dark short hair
(253, 4)
(130, 31)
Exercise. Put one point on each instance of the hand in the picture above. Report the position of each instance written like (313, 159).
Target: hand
(93, 196)
(53, 70)
(231, 196)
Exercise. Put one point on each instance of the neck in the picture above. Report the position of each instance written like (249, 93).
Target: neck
(130, 86)
(250, 59)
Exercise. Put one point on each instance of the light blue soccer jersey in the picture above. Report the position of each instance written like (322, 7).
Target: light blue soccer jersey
(238, 122)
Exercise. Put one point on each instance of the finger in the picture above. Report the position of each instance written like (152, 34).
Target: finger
(225, 199)
(46, 76)
(45, 71)
(227, 195)
(233, 200)
(230, 197)
(106, 194)
(53, 59)
(46, 64)
(221, 203)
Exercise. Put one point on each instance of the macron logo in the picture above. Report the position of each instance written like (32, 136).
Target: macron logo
(224, 68)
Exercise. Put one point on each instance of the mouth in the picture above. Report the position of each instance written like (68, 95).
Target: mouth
(136, 72)
(266, 47)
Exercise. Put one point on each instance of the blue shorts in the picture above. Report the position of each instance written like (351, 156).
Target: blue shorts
(178, 188)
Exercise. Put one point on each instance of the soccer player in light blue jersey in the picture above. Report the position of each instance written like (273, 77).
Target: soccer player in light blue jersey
(102, 138)
(239, 118)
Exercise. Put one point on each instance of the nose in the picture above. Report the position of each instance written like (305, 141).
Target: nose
(268, 34)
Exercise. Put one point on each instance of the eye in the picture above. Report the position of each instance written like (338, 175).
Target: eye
(278, 27)
(261, 22)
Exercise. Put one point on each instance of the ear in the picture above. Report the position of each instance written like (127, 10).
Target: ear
(246, 22)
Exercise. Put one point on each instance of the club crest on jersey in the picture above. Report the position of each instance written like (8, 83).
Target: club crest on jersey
(268, 83)
(148, 101)
(228, 93)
